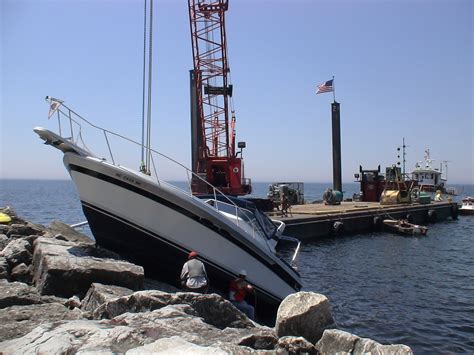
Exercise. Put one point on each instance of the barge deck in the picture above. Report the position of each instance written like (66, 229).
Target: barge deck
(312, 221)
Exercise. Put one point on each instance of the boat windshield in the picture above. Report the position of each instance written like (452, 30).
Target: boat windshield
(261, 224)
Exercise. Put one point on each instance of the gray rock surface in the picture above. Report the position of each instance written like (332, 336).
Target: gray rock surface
(17, 251)
(17, 321)
(175, 345)
(65, 269)
(365, 345)
(305, 314)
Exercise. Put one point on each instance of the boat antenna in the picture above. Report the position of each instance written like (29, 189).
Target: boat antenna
(150, 63)
(142, 161)
(403, 155)
(146, 127)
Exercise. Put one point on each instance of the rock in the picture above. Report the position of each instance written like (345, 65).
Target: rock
(4, 228)
(18, 293)
(17, 251)
(66, 269)
(125, 332)
(99, 294)
(21, 273)
(3, 240)
(335, 341)
(305, 314)
(17, 321)
(295, 345)
(214, 309)
(338, 341)
(175, 345)
(364, 345)
(67, 233)
(4, 268)
(25, 229)
(73, 302)
(259, 341)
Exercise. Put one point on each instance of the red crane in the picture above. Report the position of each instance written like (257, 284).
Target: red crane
(212, 118)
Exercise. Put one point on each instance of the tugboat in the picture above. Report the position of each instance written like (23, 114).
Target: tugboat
(428, 179)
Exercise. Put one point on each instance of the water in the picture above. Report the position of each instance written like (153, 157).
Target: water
(418, 291)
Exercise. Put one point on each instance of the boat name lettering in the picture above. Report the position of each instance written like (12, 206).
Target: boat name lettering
(128, 179)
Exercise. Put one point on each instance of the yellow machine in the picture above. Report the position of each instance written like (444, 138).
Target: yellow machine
(393, 197)
(396, 190)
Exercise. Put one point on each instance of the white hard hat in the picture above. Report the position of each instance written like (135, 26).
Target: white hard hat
(243, 272)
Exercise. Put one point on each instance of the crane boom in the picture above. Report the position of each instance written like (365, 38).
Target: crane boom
(214, 155)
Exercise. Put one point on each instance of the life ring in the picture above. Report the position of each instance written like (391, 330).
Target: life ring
(235, 170)
(432, 216)
(338, 227)
(454, 212)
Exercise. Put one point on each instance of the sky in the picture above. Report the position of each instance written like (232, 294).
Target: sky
(403, 69)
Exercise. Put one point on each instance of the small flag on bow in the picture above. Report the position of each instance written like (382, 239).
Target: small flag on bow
(53, 106)
(325, 87)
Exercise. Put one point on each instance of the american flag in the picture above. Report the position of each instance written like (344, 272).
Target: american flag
(325, 87)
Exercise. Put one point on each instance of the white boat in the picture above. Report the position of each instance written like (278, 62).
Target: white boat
(467, 206)
(402, 226)
(156, 224)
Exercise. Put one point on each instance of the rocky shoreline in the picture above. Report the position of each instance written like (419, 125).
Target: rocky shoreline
(61, 294)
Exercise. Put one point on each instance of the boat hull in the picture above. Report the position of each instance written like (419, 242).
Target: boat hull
(156, 228)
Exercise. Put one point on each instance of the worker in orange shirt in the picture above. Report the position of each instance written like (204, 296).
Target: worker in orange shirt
(238, 290)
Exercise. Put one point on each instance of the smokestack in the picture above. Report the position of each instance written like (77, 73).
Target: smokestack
(336, 147)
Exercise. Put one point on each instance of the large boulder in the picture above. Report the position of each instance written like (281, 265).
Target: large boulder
(17, 321)
(4, 268)
(66, 269)
(364, 346)
(338, 341)
(3, 241)
(17, 251)
(21, 273)
(18, 293)
(63, 231)
(25, 229)
(99, 294)
(295, 345)
(305, 314)
(214, 309)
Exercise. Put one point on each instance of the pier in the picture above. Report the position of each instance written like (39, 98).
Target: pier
(312, 221)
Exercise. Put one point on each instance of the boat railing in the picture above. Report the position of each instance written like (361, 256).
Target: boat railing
(70, 121)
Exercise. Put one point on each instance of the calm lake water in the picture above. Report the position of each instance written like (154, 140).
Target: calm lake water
(418, 291)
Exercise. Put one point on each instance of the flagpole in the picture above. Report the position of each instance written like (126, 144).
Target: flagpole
(333, 89)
